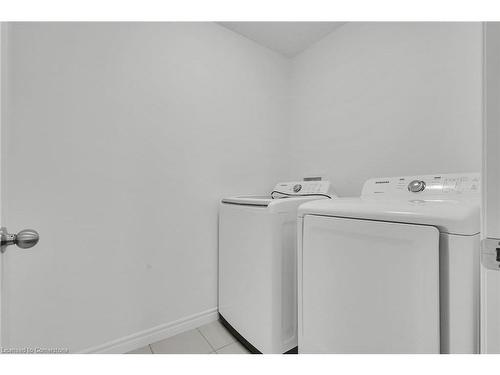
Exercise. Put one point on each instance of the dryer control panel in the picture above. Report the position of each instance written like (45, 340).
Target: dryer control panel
(302, 188)
(424, 185)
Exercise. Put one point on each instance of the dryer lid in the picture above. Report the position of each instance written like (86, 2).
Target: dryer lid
(449, 202)
(454, 216)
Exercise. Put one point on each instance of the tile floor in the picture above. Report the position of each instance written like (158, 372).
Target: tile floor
(212, 338)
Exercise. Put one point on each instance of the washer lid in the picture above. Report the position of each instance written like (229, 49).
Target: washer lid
(454, 216)
(249, 200)
(277, 205)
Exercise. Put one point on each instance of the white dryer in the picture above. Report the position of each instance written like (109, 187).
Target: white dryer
(394, 271)
(258, 265)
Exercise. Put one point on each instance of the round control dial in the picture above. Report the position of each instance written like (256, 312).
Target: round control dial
(297, 188)
(416, 185)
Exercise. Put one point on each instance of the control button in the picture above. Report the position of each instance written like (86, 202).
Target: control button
(415, 186)
(296, 188)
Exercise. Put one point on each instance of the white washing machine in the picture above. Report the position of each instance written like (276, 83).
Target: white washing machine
(258, 265)
(394, 271)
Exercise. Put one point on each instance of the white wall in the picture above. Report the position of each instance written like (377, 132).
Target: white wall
(120, 140)
(388, 99)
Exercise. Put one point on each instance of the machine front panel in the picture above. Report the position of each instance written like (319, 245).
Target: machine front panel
(368, 287)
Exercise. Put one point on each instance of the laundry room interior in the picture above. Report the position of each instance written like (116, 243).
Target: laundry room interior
(186, 184)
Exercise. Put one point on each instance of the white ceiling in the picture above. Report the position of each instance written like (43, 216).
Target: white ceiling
(287, 38)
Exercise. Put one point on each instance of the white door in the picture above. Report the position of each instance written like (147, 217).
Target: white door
(490, 232)
(57, 179)
(368, 287)
(77, 183)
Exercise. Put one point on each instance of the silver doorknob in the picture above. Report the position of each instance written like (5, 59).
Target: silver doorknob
(24, 239)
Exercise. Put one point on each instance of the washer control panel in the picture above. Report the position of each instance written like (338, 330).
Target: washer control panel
(413, 186)
(302, 188)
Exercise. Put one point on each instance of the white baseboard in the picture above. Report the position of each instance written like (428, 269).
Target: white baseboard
(161, 332)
